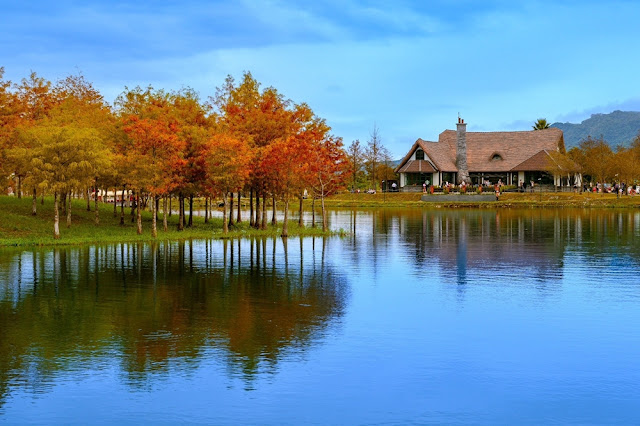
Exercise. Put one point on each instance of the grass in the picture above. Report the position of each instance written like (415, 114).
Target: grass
(523, 200)
(19, 228)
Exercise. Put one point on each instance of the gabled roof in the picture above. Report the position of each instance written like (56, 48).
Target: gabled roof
(539, 161)
(513, 147)
(417, 166)
(491, 151)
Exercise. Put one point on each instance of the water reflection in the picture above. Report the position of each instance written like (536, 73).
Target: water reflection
(151, 306)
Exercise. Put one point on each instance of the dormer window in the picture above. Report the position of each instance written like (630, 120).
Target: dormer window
(496, 157)
(419, 154)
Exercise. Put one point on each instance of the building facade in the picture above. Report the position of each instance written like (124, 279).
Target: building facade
(509, 157)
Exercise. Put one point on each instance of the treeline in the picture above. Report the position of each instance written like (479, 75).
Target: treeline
(599, 162)
(64, 140)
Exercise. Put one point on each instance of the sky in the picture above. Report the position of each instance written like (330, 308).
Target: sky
(407, 67)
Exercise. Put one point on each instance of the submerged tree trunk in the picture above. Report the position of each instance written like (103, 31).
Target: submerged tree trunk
(180, 212)
(225, 225)
(35, 202)
(122, 208)
(154, 217)
(164, 213)
(139, 214)
(285, 225)
(69, 211)
(230, 209)
(274, 221)
(56, 217)
(300, 224)
(96, 204)
(263, 224)
(251, 219)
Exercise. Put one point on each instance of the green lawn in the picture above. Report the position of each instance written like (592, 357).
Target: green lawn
(19, 228)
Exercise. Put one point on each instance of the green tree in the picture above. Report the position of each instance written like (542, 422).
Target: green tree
(541, 124)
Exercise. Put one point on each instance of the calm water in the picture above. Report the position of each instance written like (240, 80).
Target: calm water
(495, 317)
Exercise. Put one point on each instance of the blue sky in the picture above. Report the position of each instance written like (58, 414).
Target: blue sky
(408, 66)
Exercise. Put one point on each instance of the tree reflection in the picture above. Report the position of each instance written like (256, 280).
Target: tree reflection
(153, 307)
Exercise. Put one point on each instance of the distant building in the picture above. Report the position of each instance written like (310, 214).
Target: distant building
(511, 157)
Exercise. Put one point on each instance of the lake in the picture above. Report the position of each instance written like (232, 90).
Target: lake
(416, 317)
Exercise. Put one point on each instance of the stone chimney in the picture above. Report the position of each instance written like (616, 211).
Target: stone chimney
(461, 152)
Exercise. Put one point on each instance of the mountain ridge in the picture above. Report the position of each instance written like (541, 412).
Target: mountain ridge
(617, 128)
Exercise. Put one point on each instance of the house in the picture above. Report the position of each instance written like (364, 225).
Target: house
(477, 157)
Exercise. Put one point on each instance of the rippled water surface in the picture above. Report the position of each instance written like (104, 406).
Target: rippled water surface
(418, 316)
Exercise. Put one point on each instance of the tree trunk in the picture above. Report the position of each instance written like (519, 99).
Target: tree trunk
(154, 217)
(133, 206)
(157, 207)
(251, 218)
(230, 209)
(206, 209)
(56, 217)
(225, 225)
(115, 203)
(263, 224)
(63, 200)
(300, 223)
(139, 213)
(170, 197)
(190, 210)
(180, 212)
(19, 186)
(239, 218)
(42, 198)
(285, 224)
(274, 221)
(122, 208)
(89, 199)
(324, 213)
(35, 202)
(96, 204)
(256, 223)
(164, 213)
(69, 211)
(313, 212)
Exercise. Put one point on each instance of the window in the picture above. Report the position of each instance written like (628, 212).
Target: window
(419, 154)
(496, 157)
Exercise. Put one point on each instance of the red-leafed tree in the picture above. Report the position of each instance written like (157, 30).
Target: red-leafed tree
(227, 165)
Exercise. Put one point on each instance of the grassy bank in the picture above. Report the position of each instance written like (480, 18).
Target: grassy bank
(515, 200)
(19, 228)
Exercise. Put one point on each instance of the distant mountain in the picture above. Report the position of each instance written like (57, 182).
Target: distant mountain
(617, 128)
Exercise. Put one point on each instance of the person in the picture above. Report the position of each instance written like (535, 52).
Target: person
(532, 183)
(497, 190)
(393, 187)
(424, 187)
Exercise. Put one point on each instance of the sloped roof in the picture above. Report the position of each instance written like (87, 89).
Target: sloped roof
(539, 161)
(513, 148)
(491, 151)
(417, 166)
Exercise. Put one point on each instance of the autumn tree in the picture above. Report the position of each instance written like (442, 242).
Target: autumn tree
(596, 159)
(227, 165)
(149, 121)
